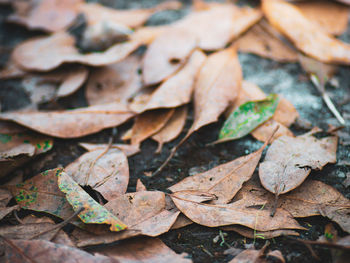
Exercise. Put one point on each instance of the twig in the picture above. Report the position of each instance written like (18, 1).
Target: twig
(19, 251)
(60, 225)
(17, 218)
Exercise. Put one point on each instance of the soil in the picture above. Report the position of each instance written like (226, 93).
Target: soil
(194, 156)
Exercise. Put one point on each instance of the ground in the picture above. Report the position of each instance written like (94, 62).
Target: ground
(194, 156)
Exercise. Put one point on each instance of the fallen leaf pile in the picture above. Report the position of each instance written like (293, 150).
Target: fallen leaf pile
(157, 78)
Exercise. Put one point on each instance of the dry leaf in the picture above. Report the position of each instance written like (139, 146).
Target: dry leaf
(26, 53)
(215, 27)
(72, 123)
(146, 35)
(235, 213)
(307, 36)
(225, 180)
(105, 170)
(140, 186)
(260, 41)
(114, 83)
(96, 13)
(253, 234)
(11, 70)
(277, 255)
(263, 132)
(178, 89)
(166, 54)
(310, 199)
(172, 128)
(289, 161)
(218, 84)
(47, 15)
(128, 149)
(247, 256)
(18, 251)
(149, 123)
(147, 250)
(72, 81)
(332, 17)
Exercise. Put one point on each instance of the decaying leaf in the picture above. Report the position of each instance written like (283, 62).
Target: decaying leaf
(213, 36)
(172, 128)
(38, 250)
(5, 197)
(307, 36)
(41, 193)
(26, 53)
(247, 256)
(218, 85)
(128, 149)
(96, 13)
(247, 117)
(93, 212)
(72, 123)
(12, 145)
(144, 212)
(117, 82)
(167, 54)
(238, 213)
(289, 161)
(149, 123)
(178, 89)
(105, 170)
(47, 15)
(143, 249)
(140, 186)
(253, 234)
(260, 41)
(332, 17)
(263, 131)
(225, 180)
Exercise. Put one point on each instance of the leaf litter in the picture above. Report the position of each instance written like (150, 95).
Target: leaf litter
(190, 61)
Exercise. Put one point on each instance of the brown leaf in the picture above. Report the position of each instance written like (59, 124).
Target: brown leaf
(172, 128)
(310, 199)
(140, 186)
(149, 123)
(147, 250)
(307, 36)
(105, 170)
(225, 180)
(72, 81)
(332, 17)
(235, 213)
(4, 211)
(247, 256)
(12, 70)
(178, 89)
(253, 234)
(277, 255)
(263, 131)
(167, 54)
(117, 82)
(260, 41)
(37, 251)
(212, 36)
(47, 15)
(218, 84)
(72, 123)
(96, 13)
(289, 161)
(26, 53)
(128, 149)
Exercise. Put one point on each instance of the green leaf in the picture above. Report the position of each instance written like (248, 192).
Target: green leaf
(93, 212)
(247, 117)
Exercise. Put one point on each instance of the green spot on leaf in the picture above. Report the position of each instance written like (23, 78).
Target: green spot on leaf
(5, 138)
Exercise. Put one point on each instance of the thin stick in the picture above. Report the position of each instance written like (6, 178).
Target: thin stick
(60, 225)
